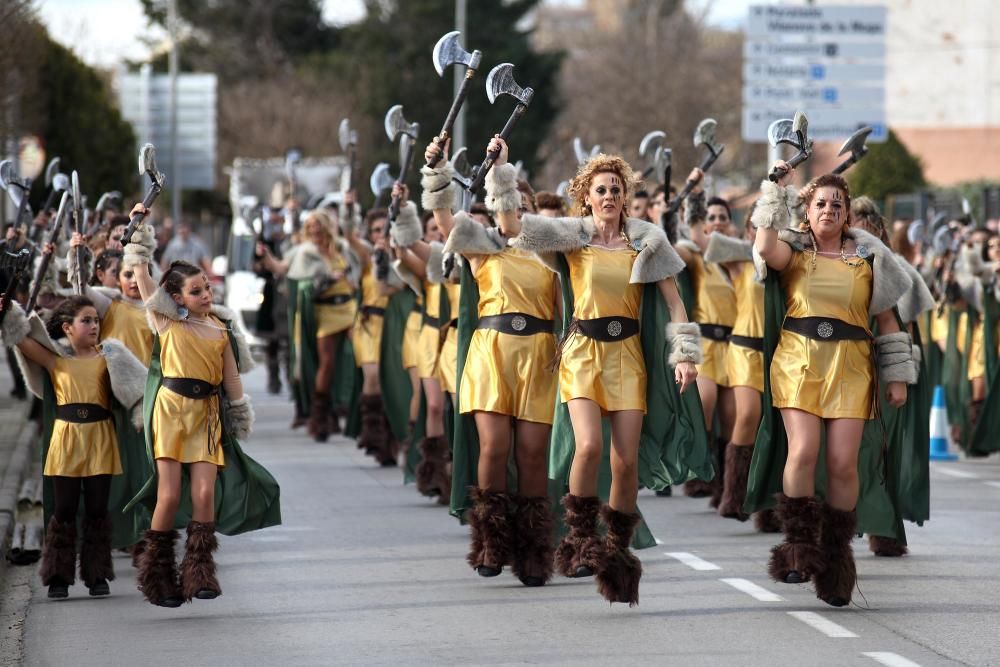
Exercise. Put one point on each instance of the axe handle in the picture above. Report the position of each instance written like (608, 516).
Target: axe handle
(845, 165)
(705, 165)
(449, 121)
(796, 160)
(50, 201)
(352, 164)
(147, 201)
(43, 268)
(8, 294)
(404, 173)
(492, 156)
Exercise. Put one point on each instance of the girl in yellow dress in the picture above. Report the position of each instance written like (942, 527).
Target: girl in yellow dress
(602, 371)
(198, 365)
(822, 376)
(505, 385)
(82, 452)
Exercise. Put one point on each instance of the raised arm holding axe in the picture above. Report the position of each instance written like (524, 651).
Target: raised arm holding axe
(704, 135)
(48, 250)
(501, 82)
(447, 52)
(15, 265)
(147, 166)
(17, 189)
(397, 128)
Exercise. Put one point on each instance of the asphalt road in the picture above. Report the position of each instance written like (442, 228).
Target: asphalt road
(365, 571)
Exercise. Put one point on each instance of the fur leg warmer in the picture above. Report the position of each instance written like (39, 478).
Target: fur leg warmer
(433, 478)
(371, 436)
(798, 558)
(136, 551)
(157, 575)
(835, 583)
(492, 542)
(685, 343)
(719, 461)
(886, 547)
(533, 540)
(618, 580)
(319, 417)
(59, 554)
(735, 482)
(95, 551)
(697, 488)
(198, 567)
(766, 521)
(581, 548)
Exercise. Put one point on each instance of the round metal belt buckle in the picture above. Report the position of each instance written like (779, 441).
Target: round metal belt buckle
(518, 323)
(82, 413)
(720, 333)
(824, 330)
(196, 389)
(614, 328)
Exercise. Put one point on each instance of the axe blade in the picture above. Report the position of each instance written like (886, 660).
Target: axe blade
(500, 81)
(800, 124)
(781, 132)
(449, 51)
(651, 144)
(460, 162)
(147, 164)
(394, 121)
(51, 170)
(704, 135)
(7, 174)
(855, 145)
(345, 135)
(380, 180)
(77, 198)
(60, 182)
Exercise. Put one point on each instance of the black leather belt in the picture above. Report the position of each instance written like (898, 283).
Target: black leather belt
(418, 307)
(716, 332)
(516, 324)
(335, 300)
(368, 311)
(607, 329)
(432, 321)
(191, 387)
(82, 413)
(747, 341)
(454, 323)
(825, 328)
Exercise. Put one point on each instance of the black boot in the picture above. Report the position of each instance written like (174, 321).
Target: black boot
(492, 542)
(835, 583)
(198, 567)
(58, 570)
(157, 575)
(96, 569)
(618, 579)
(798, 558)
(581, 551)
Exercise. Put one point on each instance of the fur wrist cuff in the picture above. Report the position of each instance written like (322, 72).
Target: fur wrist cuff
(438, 189)
(141, 248)
(895, 357)
(406, 230)
(917, 356)
(685, 343)
(501, 189)
(774, 208)
(349, 223)
(694, 209)
(15, 325)
(240, 417)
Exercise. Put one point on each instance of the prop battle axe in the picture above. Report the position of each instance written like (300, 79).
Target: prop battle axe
(17, 265)
(397, 128)
(43, 263)
(78, 228)
(147, 166)
(581, 153)
(704, 135)
(17, 189)
(658, 157)
(795, 133)
(447, 52)
(856, 147)
(349, 144)
(501, 82)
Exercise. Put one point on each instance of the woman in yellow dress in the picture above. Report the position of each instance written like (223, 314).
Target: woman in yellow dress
(196, 360)
(505, 384)
(602, 372)
(82, 452)
(822, 376)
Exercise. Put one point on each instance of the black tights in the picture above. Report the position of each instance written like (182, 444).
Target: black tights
(96, 491)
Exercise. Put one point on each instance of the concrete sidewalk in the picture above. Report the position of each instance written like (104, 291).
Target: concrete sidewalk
(17, 451)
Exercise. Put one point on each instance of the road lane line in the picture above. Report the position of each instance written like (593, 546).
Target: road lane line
(994, 484)
(753, 590)
(826, 626)
(692, 561)
(890, 659)
(956, 473)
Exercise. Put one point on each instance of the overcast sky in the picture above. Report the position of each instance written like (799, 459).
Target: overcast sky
(103, 32)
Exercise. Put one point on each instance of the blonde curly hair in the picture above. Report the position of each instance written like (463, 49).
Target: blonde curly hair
(326, 223)
(601, 163)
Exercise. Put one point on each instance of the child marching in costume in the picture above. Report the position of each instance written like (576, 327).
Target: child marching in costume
(195, 412)
(79, 385)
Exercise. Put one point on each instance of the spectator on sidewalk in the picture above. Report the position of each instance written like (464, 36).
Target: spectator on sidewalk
(188, 247)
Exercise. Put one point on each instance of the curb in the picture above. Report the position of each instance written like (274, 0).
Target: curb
(10, 486)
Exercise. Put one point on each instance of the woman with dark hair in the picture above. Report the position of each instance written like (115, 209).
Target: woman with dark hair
(821, 375)
(79, 383)
(106, 269)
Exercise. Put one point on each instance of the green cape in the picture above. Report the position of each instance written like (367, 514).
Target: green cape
(954, 374)
(913, 489)
(247, 497)
(985, 437)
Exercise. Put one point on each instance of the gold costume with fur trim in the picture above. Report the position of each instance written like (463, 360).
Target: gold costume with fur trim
(612, 374)
(715, 303)
(448, 361)
(430, 334)
(506, 373)
(367, 334)
(127, 323)
(334, 318)
(82, 450)
(744, 365)
(835, 378)
(189, 429)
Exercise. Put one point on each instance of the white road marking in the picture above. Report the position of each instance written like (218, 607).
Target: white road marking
(826, 626)
(753, 590)
(890, 659)
(692, 561)
(995, 484)
(956, 473)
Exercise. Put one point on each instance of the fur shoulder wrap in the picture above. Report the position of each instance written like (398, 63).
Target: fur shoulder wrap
(305, 262)
(724, 249)
(435, 263)
(917, 299)
(407, 277)
(128, 374)
(468, 237)
(34, 375)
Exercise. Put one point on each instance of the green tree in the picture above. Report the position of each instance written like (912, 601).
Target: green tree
(81, 124)
(888, 169)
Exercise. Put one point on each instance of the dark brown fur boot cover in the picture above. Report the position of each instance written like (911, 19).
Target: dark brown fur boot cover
(492, 533)
(718, 482)
(798, 558)
(137, 550)
(835, 583)
(95, 551)
(371, 436)
(157, 575)
(734, 482)
(886, 547)
(431, 458)
(582, 547)
(59, 554)
(533, 540)
(766, 521)
(618, 580)
(319, 417)
(198, 567)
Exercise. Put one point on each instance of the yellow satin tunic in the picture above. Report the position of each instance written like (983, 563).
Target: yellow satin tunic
(334, 318)
(128, 323)
(977, 354)
(745, 366)
(82, 450)
(430, 335)
(613, 375)
(831, 379)
(367, 335)
(411, 336)
(448, 362)
(715, 303)
(185, 429)
(504, 373)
